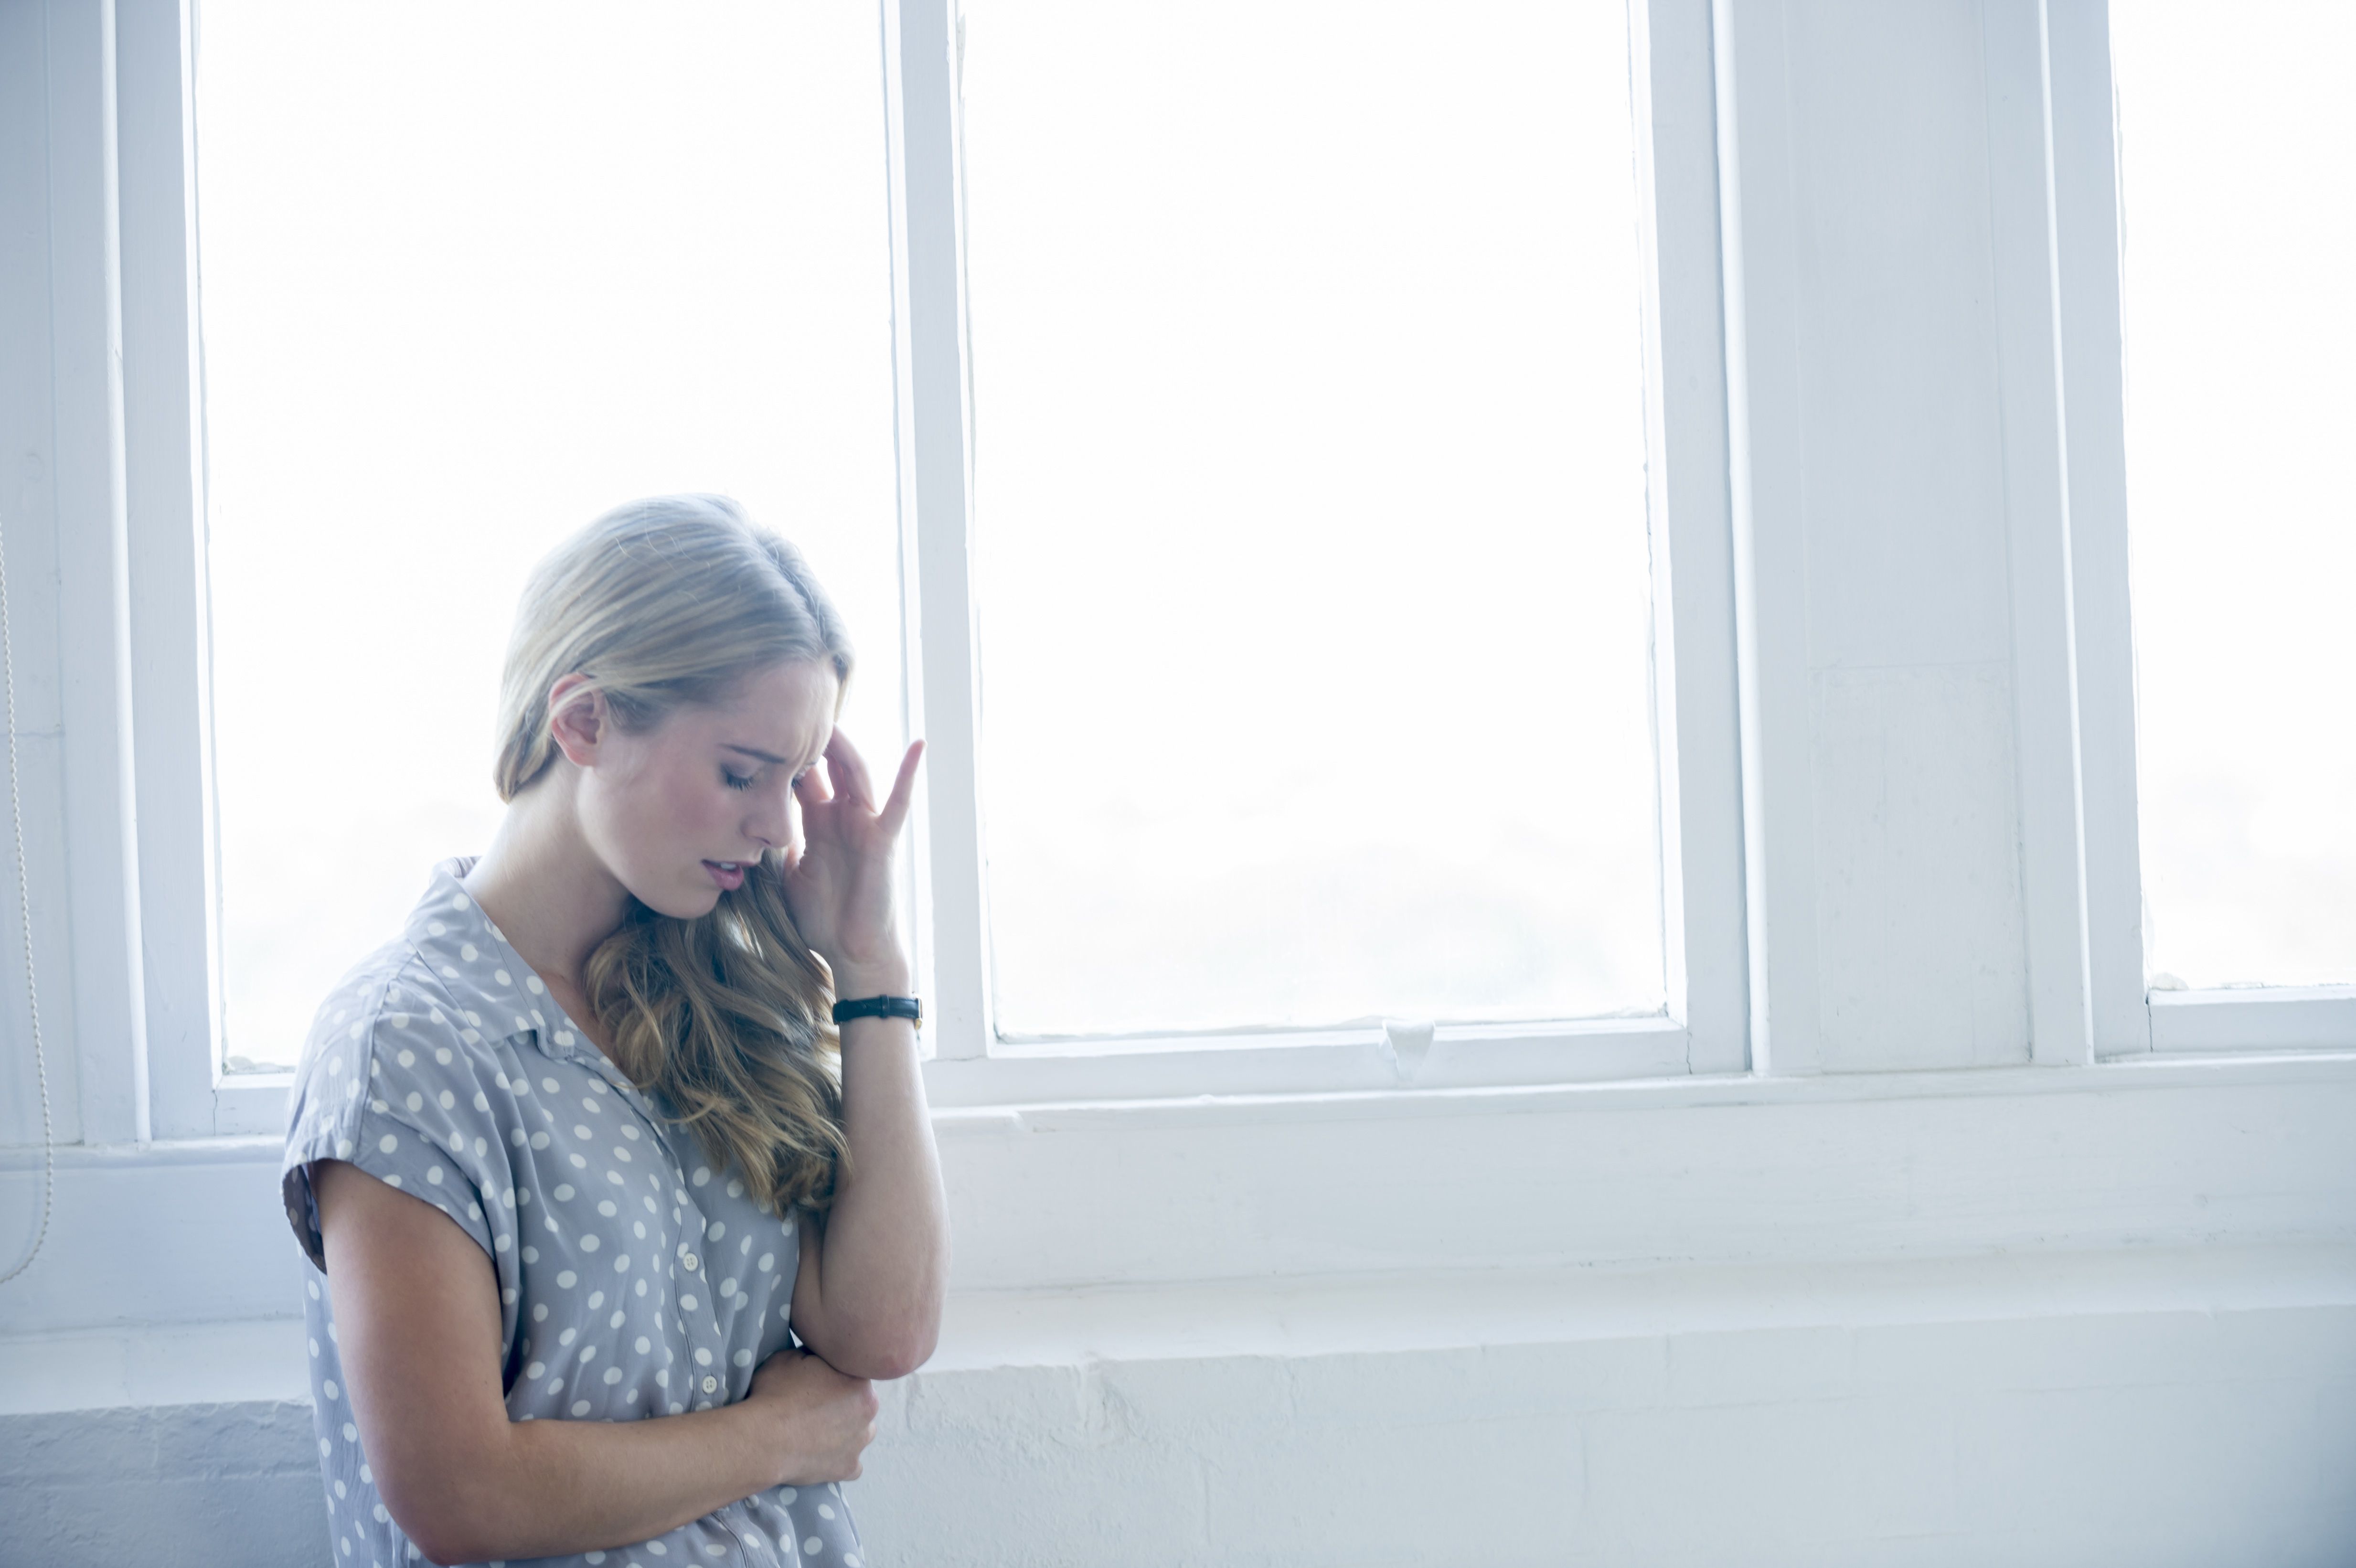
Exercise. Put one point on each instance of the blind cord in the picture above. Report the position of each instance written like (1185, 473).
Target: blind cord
(24, 915)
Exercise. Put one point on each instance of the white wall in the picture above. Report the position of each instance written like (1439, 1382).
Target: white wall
(38, 326)
(1933, 1285)
(2068, 1414)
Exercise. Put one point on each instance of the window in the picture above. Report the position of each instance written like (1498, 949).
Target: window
(457, 301)
(591, 255)
(1309, 515)
(2204, 217)
(1198, 530)
(2239, 207)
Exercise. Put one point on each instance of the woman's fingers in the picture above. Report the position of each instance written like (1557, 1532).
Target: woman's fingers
(847, 771)
(903, 790)
(847, 766)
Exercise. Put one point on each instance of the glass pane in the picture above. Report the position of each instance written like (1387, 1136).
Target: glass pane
(471, 275)
(1310, 514)
(2239, 196)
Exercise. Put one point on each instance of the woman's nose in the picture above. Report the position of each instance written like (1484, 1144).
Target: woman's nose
(770, 823)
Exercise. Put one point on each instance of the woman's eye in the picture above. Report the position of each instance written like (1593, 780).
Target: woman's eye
(735, 782)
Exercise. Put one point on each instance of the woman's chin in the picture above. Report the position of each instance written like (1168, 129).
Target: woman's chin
(679, 903)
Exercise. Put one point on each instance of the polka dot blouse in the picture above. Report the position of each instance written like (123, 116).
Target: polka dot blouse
(634, 1280)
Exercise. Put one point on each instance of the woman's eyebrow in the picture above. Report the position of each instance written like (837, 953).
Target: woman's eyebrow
(751, 751)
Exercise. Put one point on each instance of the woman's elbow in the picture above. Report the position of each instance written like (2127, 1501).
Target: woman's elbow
(883, 1353)
(905, 1359)
(448, 1517)
(441, 1538)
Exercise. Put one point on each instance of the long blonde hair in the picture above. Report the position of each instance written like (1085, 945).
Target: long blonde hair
(666, 603)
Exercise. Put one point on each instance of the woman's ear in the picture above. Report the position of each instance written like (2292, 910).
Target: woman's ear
(577, 719)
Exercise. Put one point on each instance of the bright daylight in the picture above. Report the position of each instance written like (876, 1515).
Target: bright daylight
(1550, 784)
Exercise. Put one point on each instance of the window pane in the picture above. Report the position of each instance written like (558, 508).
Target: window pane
(471, 275)
(2239, 197)
(1310, 514)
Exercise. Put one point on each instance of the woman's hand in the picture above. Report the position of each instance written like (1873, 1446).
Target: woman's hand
(823, 1418)
(839, 885)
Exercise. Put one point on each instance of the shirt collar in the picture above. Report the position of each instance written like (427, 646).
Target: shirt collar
(495, 991)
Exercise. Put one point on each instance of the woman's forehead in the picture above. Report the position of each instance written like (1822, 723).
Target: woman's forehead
(781, 713)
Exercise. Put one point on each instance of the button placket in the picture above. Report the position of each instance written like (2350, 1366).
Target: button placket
(709, 1366)
(707, 1350)
(688, 1221)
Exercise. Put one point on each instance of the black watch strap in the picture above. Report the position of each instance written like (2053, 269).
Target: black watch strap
(906, 1007)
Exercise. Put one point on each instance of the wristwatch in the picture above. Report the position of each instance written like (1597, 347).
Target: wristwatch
(906, 1007)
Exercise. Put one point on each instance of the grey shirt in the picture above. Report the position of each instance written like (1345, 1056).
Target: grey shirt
(634, 1280)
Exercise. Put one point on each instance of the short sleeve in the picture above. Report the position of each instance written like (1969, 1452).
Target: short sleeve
(388, 1083)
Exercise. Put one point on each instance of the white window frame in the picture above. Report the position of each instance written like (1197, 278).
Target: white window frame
(1703, 1027)
(161, 598)
(152, 1024)
(2129, 1020)
(165, 595)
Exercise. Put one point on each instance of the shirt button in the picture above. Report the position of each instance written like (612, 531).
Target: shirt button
(688, 1262)
(709, 1384)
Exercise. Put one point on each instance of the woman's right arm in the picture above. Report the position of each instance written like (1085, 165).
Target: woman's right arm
(417, 1325)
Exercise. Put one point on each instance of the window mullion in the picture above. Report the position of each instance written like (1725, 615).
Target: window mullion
(170, 686)
(2086, 235)
(933, 436)
(2044, 674)
(108, 1032)
(1694, 680)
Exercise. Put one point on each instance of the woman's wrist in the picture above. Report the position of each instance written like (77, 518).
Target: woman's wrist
(889, 976)
(769, 1437)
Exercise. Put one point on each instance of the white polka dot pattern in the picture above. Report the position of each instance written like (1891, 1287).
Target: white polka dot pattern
(513, 1135)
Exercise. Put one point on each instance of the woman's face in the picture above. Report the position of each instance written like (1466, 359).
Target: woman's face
(679, 813)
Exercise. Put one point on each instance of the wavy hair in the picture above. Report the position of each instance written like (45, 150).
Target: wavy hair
(667, 603)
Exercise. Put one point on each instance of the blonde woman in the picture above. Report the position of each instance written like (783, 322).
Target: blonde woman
(581, 1153)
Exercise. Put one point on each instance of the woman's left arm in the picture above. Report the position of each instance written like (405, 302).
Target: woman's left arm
(874, 1267)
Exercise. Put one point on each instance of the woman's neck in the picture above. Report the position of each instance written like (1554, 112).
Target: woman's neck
(545, 888)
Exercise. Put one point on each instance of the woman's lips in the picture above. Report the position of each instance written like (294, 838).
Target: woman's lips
(729, 874)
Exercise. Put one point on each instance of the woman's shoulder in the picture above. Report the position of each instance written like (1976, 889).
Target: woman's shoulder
(394, 989)
(404, 1030)
(388, 1057)
(419, 988)
(391, 1079)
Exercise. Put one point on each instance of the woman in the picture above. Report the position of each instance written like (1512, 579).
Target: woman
(575, 1151)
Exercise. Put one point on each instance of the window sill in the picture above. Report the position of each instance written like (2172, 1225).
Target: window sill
(2197, 1028)
(252, 1102)
(2262, 1018)
(1062, 1195)
(1660, 1093)
(1371, 1059)
(1393, 1099)
(1305, 1064)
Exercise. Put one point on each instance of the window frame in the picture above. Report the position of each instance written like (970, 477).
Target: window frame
(2128, 1019)
(1703, 1027)
(2083, 884)
(163, 601)
(166, 596)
